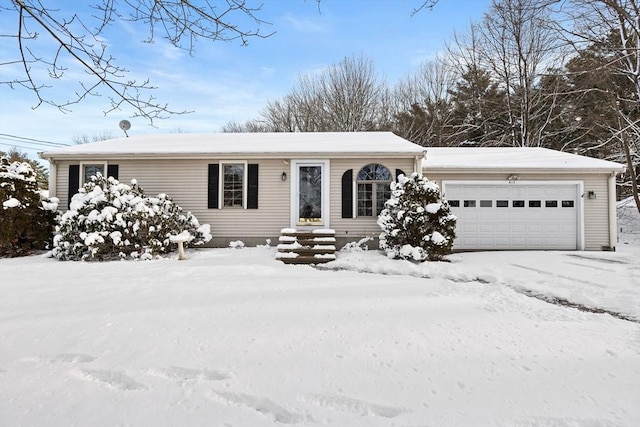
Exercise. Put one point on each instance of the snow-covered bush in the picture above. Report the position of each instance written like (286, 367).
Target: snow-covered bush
(107, 219)
(359, 246)
(416, 222)
(27, 218)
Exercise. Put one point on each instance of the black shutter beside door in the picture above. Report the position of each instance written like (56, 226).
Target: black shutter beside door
(252, 186)
(347, 194)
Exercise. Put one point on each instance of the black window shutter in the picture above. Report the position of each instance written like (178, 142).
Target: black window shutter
(74, 181)
(112, 170)
(212, 192)
(252, 186)
(347, 194)
(399, 172)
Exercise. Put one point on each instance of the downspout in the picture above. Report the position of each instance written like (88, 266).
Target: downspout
(613, 227)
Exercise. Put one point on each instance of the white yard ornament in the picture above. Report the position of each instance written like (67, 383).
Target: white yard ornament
(180, 239)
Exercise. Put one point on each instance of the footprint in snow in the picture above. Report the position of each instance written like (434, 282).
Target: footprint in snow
(262, 405)
(186, 374)
(61, 358)
(110, 378)
(355, 406)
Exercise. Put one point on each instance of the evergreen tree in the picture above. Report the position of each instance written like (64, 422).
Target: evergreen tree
(42, 173)
(478, 109)
(26, 218)
(416, 222)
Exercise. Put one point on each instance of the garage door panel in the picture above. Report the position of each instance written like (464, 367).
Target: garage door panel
(519, 228)
(486, 227)
(539, 221)
(502, 227)
(535, 228)
(470, 227)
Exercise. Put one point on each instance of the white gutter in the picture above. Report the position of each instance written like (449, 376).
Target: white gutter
(613, 228)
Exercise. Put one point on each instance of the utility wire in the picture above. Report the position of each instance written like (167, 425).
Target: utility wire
(23, 139)
(23, 146)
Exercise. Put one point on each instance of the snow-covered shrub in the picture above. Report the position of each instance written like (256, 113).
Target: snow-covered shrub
(236, 244)
(27, 218)
(359, 246)
(107, 219)
(416, 221)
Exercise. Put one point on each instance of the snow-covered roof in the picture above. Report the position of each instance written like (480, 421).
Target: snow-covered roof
(267, 144)
(483, 159)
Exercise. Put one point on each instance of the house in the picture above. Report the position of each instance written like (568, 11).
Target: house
(251, 186)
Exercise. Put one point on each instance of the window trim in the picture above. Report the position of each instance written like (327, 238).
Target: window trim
(245, 177)
(374, 197)
(81, 179)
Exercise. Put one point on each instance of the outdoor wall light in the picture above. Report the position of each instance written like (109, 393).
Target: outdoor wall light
(591, 195)
(283, 176)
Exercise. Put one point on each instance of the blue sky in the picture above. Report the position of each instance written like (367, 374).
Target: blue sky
(225, 82)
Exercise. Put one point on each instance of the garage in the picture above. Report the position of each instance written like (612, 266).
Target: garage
(516, 215)
(526, 198)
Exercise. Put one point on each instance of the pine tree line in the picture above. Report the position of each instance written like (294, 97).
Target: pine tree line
(531, 73)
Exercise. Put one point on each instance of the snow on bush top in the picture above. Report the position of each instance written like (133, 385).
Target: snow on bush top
(416, 222)
(108, 219)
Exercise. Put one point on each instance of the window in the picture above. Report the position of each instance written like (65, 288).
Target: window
(373, 189)
(486, 203)
(89, 170)
(567, 203)
(469, 203)
(551, 204)
(233, 185)
(454, 203)
(502, 203)
(535, 203)
(518, 204)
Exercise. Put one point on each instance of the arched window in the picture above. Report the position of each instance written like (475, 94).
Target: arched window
(374, 188)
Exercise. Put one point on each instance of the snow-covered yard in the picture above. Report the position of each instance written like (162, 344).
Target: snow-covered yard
(233, 337)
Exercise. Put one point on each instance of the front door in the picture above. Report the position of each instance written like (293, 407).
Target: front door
(310, 194)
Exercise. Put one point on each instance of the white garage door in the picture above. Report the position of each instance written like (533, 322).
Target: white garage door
(515, 216)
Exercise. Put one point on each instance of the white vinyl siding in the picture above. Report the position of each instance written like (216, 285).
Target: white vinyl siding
(185, 181)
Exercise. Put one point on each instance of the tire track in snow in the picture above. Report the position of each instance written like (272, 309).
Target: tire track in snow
(564, 302)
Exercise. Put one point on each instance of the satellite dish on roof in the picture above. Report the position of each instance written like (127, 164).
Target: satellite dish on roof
(125, 125)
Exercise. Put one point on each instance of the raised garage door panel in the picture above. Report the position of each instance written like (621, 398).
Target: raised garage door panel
(515, 216)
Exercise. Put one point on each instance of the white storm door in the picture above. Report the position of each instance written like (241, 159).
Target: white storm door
(310, 193)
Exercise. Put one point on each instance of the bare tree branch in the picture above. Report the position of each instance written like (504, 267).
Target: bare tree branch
(181, 22)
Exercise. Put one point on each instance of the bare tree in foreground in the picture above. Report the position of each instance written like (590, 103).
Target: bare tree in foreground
(77, 41)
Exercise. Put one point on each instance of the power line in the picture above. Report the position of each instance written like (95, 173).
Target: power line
(21, 146)
(17, 138)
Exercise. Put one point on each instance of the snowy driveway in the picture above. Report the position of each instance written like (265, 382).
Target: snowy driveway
(235, 338)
